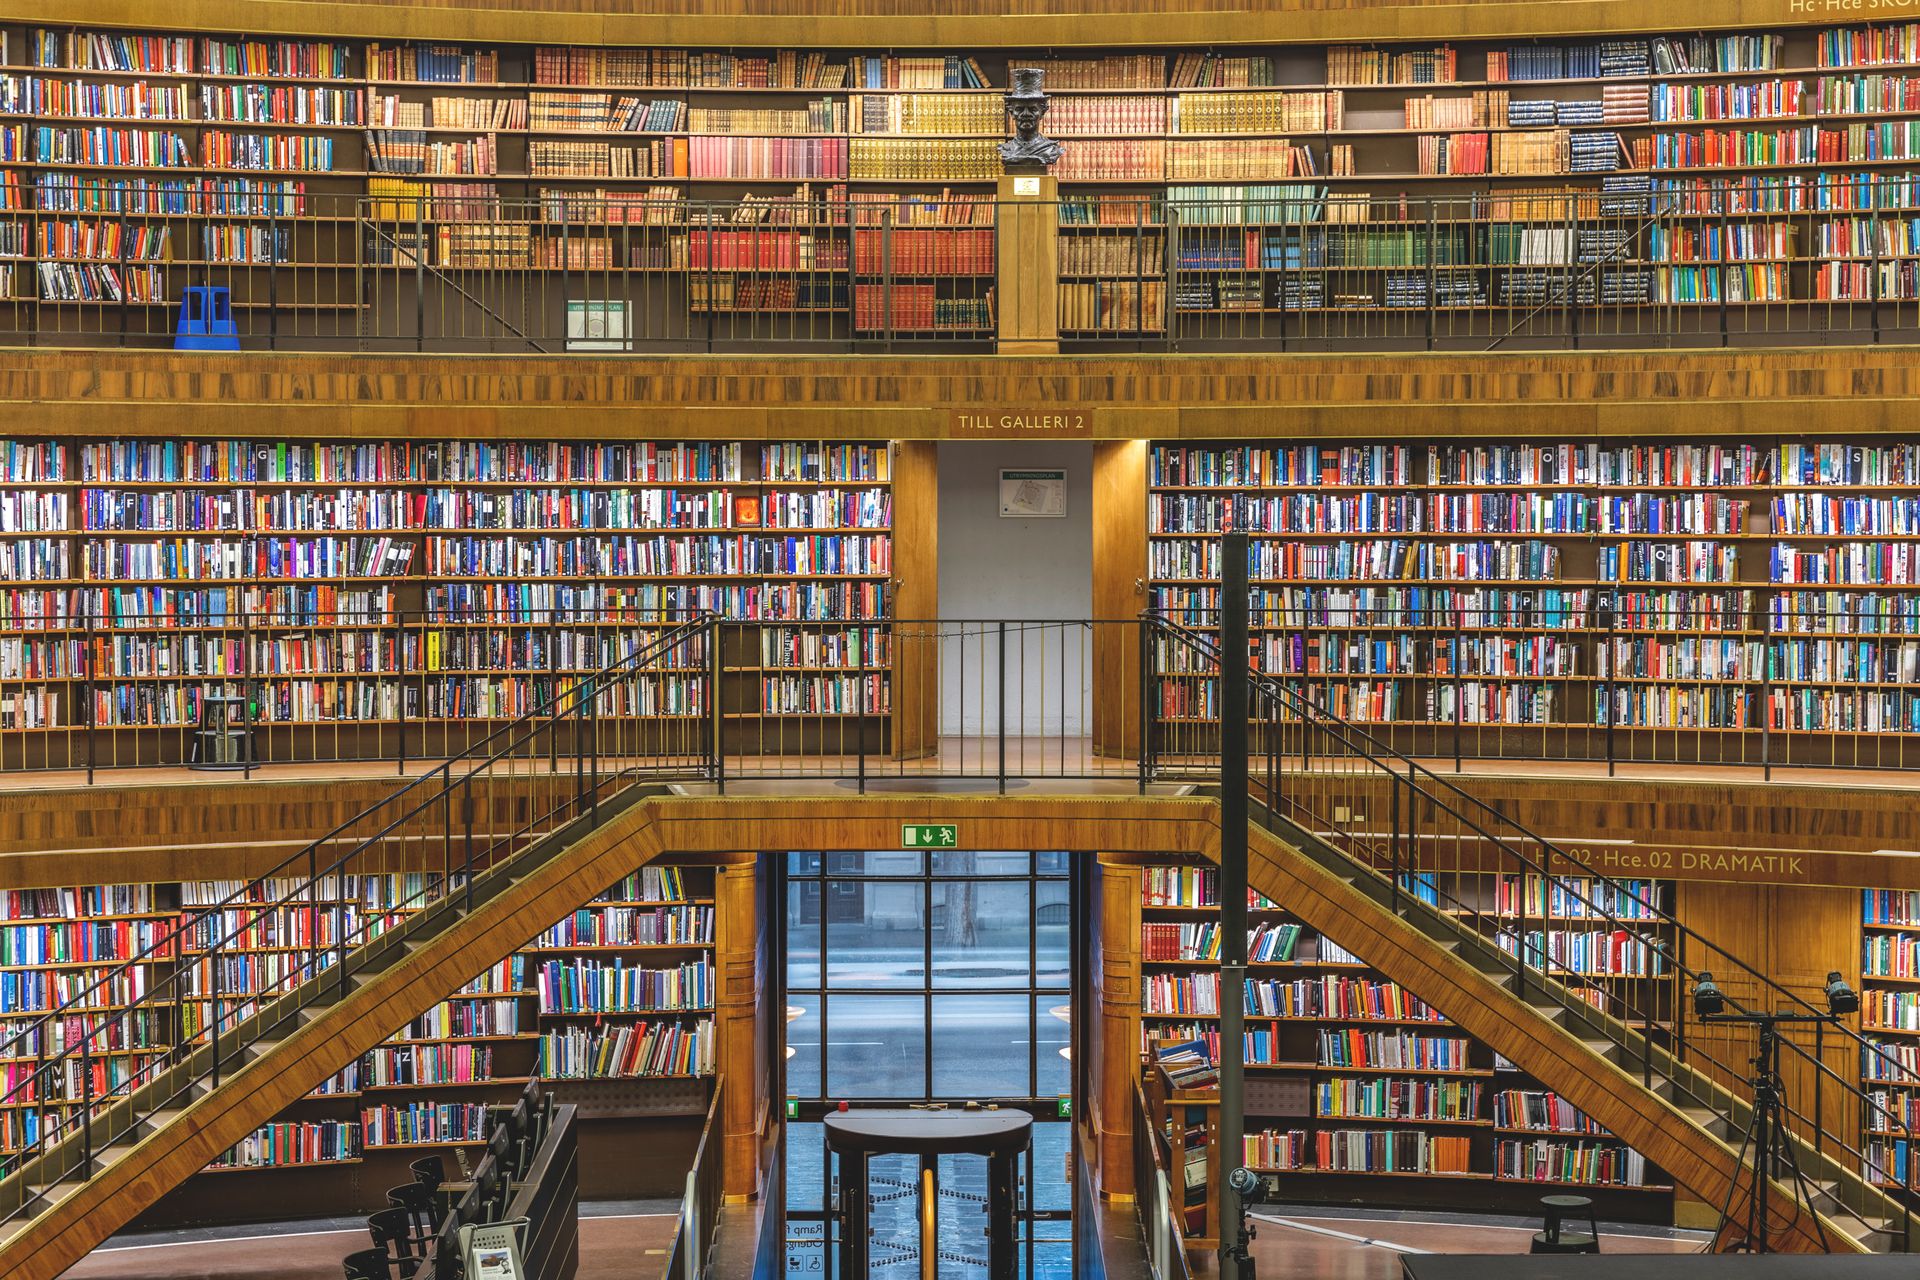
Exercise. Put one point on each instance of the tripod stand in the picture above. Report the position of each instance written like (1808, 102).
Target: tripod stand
(1236, 1256)
(1770, 1141)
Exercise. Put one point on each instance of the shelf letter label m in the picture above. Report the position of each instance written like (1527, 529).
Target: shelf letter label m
(929, 836)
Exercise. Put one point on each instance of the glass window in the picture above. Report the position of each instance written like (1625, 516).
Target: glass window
(1052, 935)
(1054, 1035)
(906, 862)
(803, 1039)
(876, 933)
(803, 934)
(982, 1046)
(980, 934)
(876, 1046)
(991, 863)
(969, 951)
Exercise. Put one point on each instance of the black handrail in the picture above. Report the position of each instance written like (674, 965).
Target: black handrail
(1284, 700)
(575, 706)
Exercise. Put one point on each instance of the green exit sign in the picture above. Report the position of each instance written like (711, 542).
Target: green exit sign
(930, 836)
(793, 1108)
(1066, 1108)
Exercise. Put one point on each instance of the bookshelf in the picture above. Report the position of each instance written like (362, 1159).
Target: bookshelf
(1352, 1081)
(399, 598)
(1540, 178)
(1890, 1020)
(613, 1004)
(1711, 600)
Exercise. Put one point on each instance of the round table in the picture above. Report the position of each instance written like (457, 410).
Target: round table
(857, 1136)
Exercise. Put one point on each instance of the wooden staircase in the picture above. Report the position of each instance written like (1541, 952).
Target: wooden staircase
(295, 1043)
(1682, 1123)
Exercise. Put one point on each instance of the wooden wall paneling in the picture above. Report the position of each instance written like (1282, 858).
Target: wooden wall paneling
(1027, 258)
(1783, 832)
(916, 598)
(739, 985)
(1857, 390)
(1119, 590)
(924, 24)
(1116, 1040)
(1795, 936)
(1521, 1032)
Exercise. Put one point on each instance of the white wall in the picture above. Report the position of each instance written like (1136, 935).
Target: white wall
(993, 569)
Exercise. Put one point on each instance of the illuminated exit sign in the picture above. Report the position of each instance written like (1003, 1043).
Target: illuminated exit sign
(929, 836)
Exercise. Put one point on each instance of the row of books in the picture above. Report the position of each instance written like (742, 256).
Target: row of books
(1391, 1050)
(1530, 560)
(585, 986)
(1266, 943)
(1387, 1098)
(1357, 1151)
(1545, 1112)
(453, 461)
(638, 1049)
(1578, 465)
(1517, 511)
(1587, 1164)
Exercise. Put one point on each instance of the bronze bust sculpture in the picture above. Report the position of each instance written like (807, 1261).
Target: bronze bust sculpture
(1028, 151)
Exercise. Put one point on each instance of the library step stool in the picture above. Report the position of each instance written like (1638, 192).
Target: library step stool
(1554, 1240)
(206, 320)
(223, 739)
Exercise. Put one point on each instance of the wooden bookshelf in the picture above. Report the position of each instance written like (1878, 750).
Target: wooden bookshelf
(428, 1088)
(234, 132)
(429, 591)
(1749, 597)
(1364, 1081)
(1890, 1020)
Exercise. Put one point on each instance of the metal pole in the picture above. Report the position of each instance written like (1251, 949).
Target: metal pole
(930, 1217)
(1607, 687)
(400, 711)
(1003, 708)
(716, 638)
(86, 619)
(854, 1215)
(860, 692)
(1233, 873)
(1144, 644)
(1002, 1189)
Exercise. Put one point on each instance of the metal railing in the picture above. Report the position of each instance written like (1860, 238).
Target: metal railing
(1159, 1189)
(1651, 259)
(1606, 950)
(699, 1219)
(530, 1171)
(1743, 676)
(186, 1008)
(856, 698)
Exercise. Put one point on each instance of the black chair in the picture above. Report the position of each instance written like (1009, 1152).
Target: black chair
(429, 1172)
(392, 1232)
(1555, 1240)
(368, 1264)
(416, 1200)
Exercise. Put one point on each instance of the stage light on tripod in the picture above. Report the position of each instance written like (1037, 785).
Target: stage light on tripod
(1841, 998)
(1248, 1185)
(1708, 999)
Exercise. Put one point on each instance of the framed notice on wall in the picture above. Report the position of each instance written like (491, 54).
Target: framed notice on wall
(1031, 493)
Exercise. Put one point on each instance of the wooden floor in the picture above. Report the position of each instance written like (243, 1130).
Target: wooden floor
(624, 1247)
(1040, 762)
(1298, 1246)
(1287, 1247)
